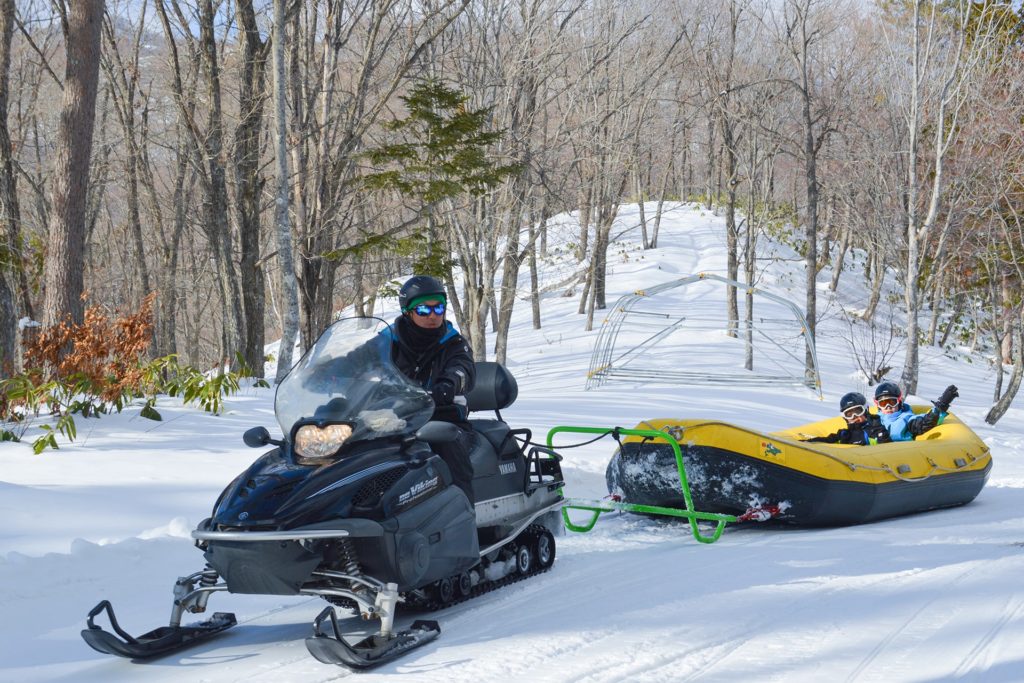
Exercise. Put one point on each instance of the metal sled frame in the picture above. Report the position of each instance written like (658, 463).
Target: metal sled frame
(596, 507)
(610, 362)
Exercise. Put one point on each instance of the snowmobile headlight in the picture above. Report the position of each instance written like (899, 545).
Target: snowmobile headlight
(312, 441)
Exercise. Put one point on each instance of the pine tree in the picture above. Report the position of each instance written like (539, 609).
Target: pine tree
(441, 153)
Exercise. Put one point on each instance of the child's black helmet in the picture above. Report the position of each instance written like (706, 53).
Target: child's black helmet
(888, 390)
(417, 287)
(854, 398)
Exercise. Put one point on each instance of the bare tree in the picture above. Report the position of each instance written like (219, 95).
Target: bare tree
(10, 215)
(209, 156)
(123, 84)
(66, 244)
(948, 45)
(368, 49)
(249, 181)
(713, 45)
(282, 225)
(816, 72)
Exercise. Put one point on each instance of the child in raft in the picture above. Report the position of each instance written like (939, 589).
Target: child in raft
(862, 428)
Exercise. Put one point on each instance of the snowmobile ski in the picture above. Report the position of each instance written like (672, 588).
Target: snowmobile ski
(159, 641)
(331, 648)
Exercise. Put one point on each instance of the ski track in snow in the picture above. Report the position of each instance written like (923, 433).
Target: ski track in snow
(979, 654)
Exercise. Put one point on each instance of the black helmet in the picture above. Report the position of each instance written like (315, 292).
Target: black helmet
(419, 286)
(854, 398)
(888, 390)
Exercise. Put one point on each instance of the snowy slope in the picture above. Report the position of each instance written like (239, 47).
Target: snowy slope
(930, 597)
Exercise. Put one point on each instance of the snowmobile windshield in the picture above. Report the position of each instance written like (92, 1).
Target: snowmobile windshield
(348, 376)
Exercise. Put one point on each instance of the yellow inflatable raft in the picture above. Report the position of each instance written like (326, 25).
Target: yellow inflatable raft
(762, 476)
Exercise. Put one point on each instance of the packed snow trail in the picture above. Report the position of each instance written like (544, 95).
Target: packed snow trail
(929, 597)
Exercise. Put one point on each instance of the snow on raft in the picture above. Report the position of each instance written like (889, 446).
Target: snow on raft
(759, 476)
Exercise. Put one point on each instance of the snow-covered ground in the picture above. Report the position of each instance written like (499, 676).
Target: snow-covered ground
(929, 597)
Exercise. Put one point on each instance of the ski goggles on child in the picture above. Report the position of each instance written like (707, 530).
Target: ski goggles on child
(423, 310)
(888, 402)
(854, 412)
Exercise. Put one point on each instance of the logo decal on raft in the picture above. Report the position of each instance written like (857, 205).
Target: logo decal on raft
(770, 449)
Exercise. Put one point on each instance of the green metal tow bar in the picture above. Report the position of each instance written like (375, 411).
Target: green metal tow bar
(596, 507)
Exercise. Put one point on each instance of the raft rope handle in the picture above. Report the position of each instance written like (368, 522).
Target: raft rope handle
(897, 475)
(927, 475)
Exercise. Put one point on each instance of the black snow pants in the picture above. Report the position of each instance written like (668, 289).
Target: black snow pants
(456, 455)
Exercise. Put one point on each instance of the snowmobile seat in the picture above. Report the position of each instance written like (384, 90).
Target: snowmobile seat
(495, 388)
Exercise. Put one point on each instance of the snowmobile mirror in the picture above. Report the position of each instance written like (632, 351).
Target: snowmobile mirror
(258, 437)
(438, 432)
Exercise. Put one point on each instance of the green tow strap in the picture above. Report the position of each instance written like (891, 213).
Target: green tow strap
(596, 507)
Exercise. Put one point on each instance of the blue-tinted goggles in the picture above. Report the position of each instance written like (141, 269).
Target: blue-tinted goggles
(423, 310)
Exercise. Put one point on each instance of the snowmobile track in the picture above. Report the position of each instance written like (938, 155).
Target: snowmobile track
(884, 643)
(731, 642)
(419, 605)
(1009, 614)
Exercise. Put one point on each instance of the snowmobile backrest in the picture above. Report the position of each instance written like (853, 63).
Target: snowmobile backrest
(495, 387)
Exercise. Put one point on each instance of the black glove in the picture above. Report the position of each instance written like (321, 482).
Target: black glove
(443, 392)
(947, 397)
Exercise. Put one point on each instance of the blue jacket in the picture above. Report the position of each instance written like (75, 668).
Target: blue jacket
(905, 425)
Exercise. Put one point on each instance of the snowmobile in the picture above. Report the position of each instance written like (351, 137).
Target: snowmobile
(355, 506)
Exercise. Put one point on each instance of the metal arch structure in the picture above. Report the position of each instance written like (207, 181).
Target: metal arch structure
(611, 362)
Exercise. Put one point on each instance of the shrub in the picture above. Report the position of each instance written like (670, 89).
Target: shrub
(96, 364)
(96, 367)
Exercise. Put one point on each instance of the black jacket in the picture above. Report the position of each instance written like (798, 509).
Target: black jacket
(871, 431)
(426, 357)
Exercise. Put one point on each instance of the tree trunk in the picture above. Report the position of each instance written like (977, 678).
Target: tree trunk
(216, 224)
(63, 273)
(10, 214)
(1003, 404)
(1006, 347)
(249, 184)
(750, 272)
(599, 259)
(810, 230)
(731, 231)
(283, 231)
(167, 274)
(644, 243)
(300, 160)
(585, 209)
(709, 176)
(878, 279)
(957, 311)
(661, 194)
(837, 264)
(123, 86)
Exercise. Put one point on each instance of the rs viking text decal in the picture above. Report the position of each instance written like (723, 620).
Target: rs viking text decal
(419, 491)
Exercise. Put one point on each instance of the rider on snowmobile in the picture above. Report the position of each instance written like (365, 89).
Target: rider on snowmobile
(428, 349)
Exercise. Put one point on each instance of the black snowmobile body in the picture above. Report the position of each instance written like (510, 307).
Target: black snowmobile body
(356, 507)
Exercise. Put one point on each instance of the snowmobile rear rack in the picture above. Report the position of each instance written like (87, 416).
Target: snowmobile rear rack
(596, 507)
(159, 641)
(331, 648)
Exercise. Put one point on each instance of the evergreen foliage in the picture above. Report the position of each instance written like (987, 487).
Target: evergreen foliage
(440, 152)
